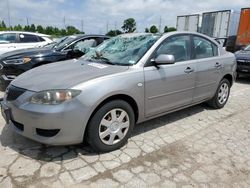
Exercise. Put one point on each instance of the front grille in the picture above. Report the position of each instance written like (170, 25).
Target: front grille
(243, 62)
(14, 92)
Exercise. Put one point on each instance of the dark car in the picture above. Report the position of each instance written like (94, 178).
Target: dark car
(243, 61)
(16, 62)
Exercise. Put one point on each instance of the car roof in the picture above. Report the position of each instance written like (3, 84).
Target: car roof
(25, 32)
(77, 36)
(138, 34)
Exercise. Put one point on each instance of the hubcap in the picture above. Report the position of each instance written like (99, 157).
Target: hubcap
(223, 93)
(114, 126)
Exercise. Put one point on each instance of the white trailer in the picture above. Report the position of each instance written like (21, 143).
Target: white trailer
(188, 23)
(220, 24)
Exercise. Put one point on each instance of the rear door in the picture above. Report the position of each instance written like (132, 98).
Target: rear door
(170, 86)
(208, 68)
(27, 41)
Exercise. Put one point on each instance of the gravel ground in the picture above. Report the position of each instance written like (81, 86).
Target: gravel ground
(195, 147)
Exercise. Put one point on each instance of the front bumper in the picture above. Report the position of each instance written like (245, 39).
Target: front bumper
(243, 66)
(62, 124)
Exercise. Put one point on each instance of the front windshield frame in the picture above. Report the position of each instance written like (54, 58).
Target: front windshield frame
(125, 50)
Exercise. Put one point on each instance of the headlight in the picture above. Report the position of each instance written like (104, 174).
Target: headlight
(52, 97)
(18, 61)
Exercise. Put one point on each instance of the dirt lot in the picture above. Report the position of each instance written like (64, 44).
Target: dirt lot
(195, 147)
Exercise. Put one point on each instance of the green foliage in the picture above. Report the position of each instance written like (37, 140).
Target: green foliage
(129, 25)
(169, 29)
(2, 26)
(72, 30)
(165, 29)
(153, 29)
(113, 33)
(49, 30)
(146, 30)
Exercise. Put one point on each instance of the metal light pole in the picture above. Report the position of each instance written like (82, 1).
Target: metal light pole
(8, 8)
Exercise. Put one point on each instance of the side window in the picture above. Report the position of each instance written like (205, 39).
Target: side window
(178, 46)
(8, 38)
(27, 38)
(84, 45)
(204, 48)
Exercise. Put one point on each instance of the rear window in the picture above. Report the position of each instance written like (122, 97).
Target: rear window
(27, 38)
(40, 39)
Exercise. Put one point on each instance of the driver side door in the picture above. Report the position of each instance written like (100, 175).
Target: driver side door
(170, 86)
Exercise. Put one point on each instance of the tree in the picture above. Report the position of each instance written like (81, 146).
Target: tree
(3, 25)
(165, 29)
(129, 25)
(26, 28)
(146, 30)
(63, 32)
(18, 28)
(49, 30)
(171, 29)
(72, 30)
(40, 29)
(153, 29)
(32, 28)
(113, 33)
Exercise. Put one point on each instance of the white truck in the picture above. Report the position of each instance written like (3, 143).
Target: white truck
(220, 24)
(188, 23)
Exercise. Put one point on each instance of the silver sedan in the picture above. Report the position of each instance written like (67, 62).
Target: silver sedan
(126, 80)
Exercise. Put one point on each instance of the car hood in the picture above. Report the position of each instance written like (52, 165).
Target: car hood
(64, 74)
(242, 54)
(29, 52)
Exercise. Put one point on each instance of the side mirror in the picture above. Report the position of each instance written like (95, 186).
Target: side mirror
(163, 59)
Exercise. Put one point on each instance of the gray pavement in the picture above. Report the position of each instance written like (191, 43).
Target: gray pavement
(195, 147)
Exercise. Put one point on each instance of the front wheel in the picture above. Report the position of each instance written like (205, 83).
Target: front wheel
(221, 96)
(111, 126)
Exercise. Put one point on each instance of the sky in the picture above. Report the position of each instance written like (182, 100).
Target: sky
(98, 16)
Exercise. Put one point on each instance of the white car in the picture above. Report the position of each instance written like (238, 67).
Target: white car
(13, 40)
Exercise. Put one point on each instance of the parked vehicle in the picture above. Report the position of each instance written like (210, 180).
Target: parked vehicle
(128, 79)
(243, 36)
(13, 40)
(230, 43)
(243, 61)
(16, 62)
(220, 24)
(188, 23)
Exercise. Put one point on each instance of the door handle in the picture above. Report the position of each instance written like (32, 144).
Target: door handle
(217, 65)
(188, 70)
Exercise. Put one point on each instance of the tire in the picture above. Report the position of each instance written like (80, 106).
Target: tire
(219, 101)
(106, 132)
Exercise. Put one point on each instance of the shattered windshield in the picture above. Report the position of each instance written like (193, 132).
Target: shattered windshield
(122, 50)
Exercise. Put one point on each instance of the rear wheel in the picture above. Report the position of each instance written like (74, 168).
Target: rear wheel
(221, 96)
(111, 126)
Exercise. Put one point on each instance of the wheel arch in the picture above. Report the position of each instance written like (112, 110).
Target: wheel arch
(130, 100)
(229, 77)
